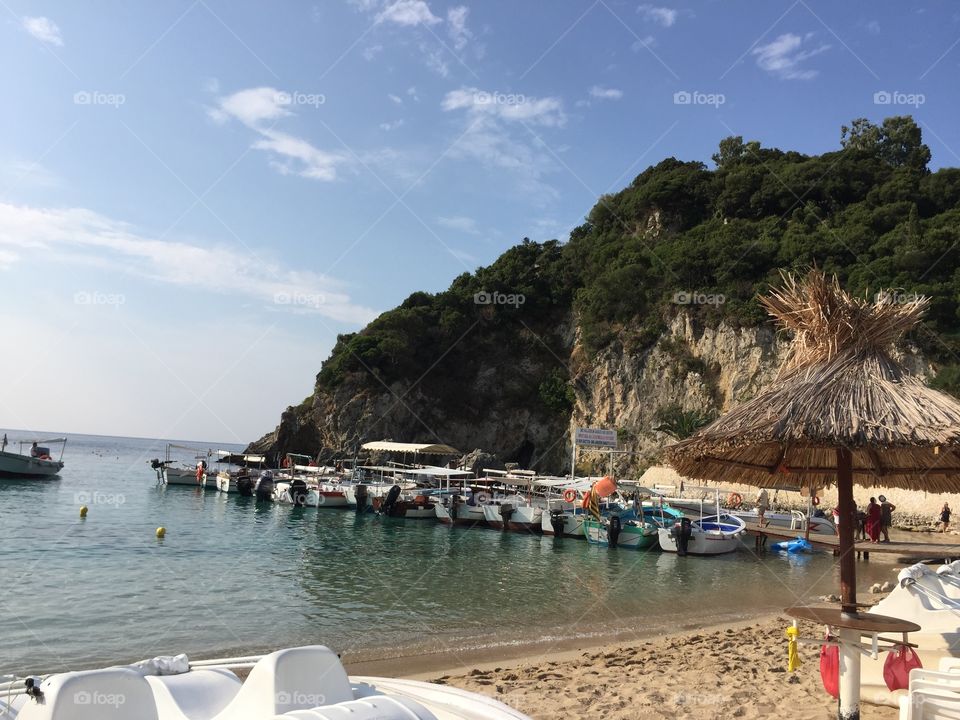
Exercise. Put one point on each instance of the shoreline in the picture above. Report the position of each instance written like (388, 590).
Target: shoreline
(427, 666)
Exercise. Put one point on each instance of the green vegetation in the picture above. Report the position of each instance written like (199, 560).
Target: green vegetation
(679, 423)
(870, 212)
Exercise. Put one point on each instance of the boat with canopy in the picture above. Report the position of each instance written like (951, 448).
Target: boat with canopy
(36, 464)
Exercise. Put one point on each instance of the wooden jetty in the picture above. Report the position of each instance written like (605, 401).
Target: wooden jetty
(911, 550)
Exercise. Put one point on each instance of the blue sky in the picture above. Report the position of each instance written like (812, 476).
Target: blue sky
(196, 196)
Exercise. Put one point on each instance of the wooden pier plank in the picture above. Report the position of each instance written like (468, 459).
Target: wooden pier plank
(916, 550)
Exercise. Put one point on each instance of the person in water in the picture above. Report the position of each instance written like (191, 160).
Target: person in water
(945, 518)
(886, 517)
(873, 521)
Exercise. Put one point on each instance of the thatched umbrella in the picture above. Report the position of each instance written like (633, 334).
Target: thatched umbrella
(842, 410)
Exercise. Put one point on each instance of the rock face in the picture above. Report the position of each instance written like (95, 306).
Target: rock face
(692, 365)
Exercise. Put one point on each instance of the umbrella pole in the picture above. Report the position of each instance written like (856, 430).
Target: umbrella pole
(849, 706)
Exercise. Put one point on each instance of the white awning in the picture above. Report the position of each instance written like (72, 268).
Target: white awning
(437, 471)
(416, 448)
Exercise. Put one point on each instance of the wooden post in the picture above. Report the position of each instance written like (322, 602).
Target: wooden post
(849, 703)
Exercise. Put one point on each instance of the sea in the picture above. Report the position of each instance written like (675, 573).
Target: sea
(233, 576)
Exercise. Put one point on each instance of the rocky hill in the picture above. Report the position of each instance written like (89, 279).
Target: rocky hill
(645, 320)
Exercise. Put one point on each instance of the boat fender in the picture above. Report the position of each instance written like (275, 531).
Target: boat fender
(613, 530)
(570, 495)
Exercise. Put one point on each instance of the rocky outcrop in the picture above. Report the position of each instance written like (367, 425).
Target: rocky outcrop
(493, 403)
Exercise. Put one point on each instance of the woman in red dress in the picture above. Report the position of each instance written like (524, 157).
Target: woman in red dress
(873, 521)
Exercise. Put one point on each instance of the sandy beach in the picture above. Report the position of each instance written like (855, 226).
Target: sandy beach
(718, 672)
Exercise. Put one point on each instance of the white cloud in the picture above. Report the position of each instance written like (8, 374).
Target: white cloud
(490, 139)
(388, 126)
(43, 29)
(7, 259)
(81, 235)
(660, 15)
(602, 93)
(371, 52)
(290, 155)
(408, 13)
(784, 56)
(436, 59)
(873, 27)
(395, 98)
(643, 43)
(457, 26)
(547, 111)
(24, 173)
(459, 223)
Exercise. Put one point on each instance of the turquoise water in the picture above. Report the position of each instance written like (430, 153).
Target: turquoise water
(233, 576)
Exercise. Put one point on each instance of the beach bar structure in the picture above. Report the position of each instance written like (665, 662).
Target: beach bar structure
(842, 410)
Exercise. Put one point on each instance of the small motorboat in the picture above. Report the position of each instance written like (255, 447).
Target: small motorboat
(303, 682)
(711, 535)
(35, 465)
(626, 530)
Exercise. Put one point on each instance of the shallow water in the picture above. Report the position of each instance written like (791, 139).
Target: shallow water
(233, 576)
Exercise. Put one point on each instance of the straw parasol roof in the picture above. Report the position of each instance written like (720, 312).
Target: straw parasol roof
(839, 387)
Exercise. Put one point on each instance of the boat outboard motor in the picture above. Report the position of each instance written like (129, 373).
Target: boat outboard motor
(684, 532)
(158, 465)
(556, 522)
(506, 511)
(264, 487)
(298, 492)
(613, 530)
(361, 495)
(390, 501)
(245, 486)
(454, 507)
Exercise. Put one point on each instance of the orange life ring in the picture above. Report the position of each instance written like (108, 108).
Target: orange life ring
(570, 495)
(734, 500)
(815, 500)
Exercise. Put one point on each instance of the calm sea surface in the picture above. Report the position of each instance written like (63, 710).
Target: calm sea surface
(234, 576)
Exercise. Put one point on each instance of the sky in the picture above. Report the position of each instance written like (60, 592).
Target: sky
(198, 196)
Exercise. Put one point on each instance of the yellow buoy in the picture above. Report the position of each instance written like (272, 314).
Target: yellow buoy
(161, 531)
(83, 511)
(793, 652)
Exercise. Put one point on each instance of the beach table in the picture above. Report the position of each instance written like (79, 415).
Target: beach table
(847, 630)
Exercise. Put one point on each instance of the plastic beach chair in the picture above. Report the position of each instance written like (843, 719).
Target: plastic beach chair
(932, 696)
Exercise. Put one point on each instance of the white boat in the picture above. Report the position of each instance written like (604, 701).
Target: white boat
(176, 472)
(513, 512)
(711, 535)
(304, 682)
(930, 597)
(36, 464)
(241, 481)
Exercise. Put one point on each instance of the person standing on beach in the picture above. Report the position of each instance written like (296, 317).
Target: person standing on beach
(873, 521)
(886, 517)
(861, 525)
(945, 518)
